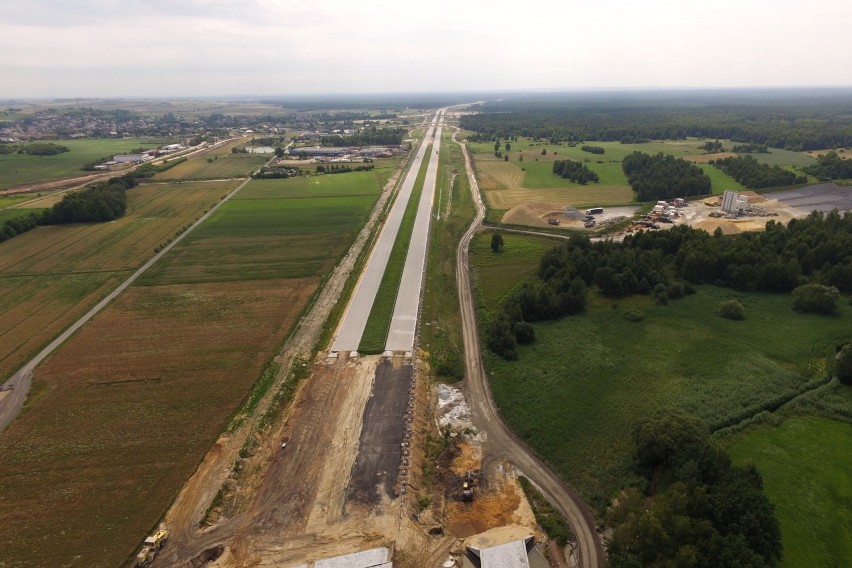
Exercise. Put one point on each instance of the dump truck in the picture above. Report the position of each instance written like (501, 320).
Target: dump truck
(153, 545)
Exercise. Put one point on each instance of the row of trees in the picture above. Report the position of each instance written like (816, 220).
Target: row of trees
(574, 171)
(34, 149)
(663, 177)
(712, 147)
(810, 256)
(693, 507)
(368, 137)
(338, 169)
(831, 166)
(592, 149)
(102, 201)
(754, 175)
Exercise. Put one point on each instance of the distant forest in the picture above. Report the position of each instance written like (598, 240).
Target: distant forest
(796, 123)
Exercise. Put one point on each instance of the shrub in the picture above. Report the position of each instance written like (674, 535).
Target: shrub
(815, 298)
(524, 332)
(633, 315)
(843, 365)
(732, 310)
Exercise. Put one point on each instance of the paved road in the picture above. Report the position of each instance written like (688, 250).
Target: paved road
(355, 319)
(21, 381)
(403, 325)
(486, 417)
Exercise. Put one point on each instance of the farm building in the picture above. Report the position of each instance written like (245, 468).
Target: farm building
(130, 158)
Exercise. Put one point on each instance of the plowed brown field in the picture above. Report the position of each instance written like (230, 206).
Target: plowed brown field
(128, 407)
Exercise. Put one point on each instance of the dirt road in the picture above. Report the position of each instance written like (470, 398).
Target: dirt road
(501, 440)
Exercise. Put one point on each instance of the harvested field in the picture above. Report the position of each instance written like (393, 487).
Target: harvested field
(145, 389)
(224, 164)
(51, 275)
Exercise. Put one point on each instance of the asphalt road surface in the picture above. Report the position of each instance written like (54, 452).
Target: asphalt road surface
(500, 439)
(380, 444)
(403, 325)
(21, 381)
(355, 319)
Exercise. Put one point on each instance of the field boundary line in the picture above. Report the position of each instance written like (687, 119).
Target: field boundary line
(21, 381)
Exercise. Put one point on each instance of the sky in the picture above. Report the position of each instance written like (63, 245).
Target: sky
(150, 48)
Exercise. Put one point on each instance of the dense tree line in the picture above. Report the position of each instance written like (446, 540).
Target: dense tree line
(754, 175)
(750, 149)
(830, 166)
(102, 201)
(338, 169)
(801, 124)
(368, 137)
(34, 149)
(592, 149)
(712, 147)
(665, 265)
(279, 173)
(663, 177)
(574, 171)
(695, 508)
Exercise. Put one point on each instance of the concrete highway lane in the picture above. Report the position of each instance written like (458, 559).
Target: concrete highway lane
(404, 321)
(355, 319)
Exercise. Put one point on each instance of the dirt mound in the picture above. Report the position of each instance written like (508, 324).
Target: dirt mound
(537, 215)
(731, 227)
(753, 198)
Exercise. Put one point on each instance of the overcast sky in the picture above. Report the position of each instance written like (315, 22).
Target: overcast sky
(102, 48)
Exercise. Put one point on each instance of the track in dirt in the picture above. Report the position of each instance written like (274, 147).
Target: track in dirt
(380, 449)
(501, 440)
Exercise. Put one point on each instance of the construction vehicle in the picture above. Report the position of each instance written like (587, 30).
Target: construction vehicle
(153, 545)
(467, 487)
(553, 221)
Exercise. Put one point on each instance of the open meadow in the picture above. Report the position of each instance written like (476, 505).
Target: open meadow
(149, 384)
(52, 275)
(17, 169)
(527, 176)
(574, 393)
(219, 163)
(805, 467)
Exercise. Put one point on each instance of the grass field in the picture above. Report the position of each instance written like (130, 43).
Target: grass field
(13, 200)
(805, 467)
(288, 228)
(440, 334)
(574, 393)
(6, 214)
(224, 164)
(16, 169)
(720, 181)
(378, 324)
(506, 184)
(51, 275)
(150, 383)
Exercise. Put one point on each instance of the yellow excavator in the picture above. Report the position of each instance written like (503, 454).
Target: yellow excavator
(153, 545)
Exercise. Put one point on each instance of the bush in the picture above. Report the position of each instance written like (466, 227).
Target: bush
(732, 310)
(633, 315)
(815, 298)
(524, 332)
(843, 365)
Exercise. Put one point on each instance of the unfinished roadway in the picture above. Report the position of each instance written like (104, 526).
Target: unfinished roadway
(351, 329)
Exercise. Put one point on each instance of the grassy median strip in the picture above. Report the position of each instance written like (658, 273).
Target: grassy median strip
(441, 334)
(378, 324)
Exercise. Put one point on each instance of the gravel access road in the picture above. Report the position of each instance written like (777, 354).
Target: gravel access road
(499, 439)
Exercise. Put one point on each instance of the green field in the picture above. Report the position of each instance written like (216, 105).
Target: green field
(274, 229)
(16, 169)
(574, 393)
(806, 474)
(6, 214)
(13, 200)
(440, 334)
(376, 331)
(720, 181)
(517, 261)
